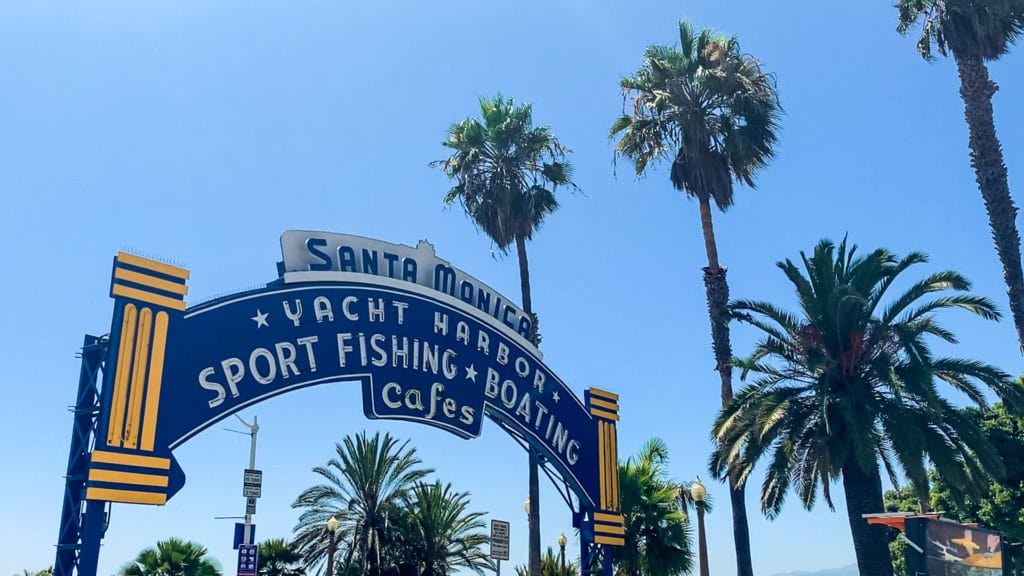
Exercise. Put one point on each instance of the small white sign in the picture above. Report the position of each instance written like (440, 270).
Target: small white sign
(499, 540)
(252, 482)
(250, 505)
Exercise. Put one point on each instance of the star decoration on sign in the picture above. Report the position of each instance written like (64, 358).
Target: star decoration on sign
(260, 319)
(471, 373)
(554, 396)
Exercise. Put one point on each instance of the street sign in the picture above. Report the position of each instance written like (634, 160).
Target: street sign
(499, 540)
(252, 483)
(240, 537)
(250, 505)
(247, 560)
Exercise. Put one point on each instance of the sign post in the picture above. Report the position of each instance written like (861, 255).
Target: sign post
(499, 542)
(252, 479)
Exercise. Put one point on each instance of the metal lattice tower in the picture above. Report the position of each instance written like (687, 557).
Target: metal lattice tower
(82, 524)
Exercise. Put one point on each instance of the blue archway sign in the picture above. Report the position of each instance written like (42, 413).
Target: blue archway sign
(428, 343)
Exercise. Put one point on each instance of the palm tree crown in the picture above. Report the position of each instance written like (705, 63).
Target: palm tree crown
(506, 170)
(705, 105)
(278, 558)
(367, 479)
(851, 381)
(451, 536)
(964, 27)
(172, 557)
(551, 565)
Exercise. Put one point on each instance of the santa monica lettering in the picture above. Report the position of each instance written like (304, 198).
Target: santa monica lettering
(327, 252)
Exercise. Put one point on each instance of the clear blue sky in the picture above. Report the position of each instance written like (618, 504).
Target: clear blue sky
(199, 131)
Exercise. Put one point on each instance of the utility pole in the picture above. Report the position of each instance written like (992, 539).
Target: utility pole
(253, 429)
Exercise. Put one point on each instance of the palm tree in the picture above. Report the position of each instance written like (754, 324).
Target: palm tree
(976, 32)
(714, 112)
(367, 479)
(850, 382)
(451, 537)
(172, 557)
(506, 173)
(657, 533)
(551, 565)
(278, 558)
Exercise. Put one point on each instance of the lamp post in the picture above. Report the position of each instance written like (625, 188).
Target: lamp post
(332, 528)
(699, 494)
(561, 545)
(254, 428)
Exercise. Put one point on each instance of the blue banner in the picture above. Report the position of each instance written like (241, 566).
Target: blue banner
(417, 359)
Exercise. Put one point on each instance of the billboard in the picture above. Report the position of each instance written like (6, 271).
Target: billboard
(953, 549)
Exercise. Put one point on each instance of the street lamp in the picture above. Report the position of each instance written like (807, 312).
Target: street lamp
(561, 545)
(699, 494)
(526, 506)
(332, 527)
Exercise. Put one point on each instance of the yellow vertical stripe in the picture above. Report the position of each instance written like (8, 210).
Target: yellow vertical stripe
(124, 362)
(615, 478)
(131, 429)
(611, 470)
(606, 493)
(600, 461)
(610, 460)
(156, 376)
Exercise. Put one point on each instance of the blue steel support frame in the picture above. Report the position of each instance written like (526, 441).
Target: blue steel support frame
(82, 523)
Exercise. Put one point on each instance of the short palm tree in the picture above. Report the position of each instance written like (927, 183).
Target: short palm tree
(506, 173)
(657, 532)
(276, 557)
(551, 565)
(172, 557)
(451, 536)
(709, 109)
(369, 477)
(849, 385)
(976, 32)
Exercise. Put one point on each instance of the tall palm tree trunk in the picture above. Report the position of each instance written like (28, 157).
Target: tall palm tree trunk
(977, 89)
(534, 520)
(718, 310)
(870, 542)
